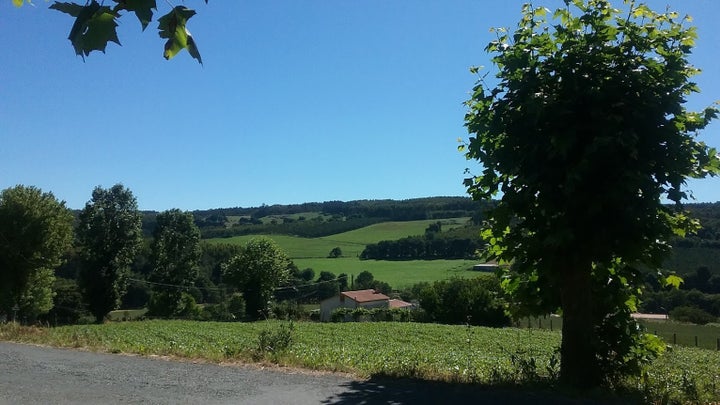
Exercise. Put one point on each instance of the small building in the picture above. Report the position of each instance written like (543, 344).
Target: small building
(395, 303)
(353, 299)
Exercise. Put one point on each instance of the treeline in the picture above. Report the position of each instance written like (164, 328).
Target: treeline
(331, 216)
(420, 248)
(709, 216)
(392, 210)
(697, 300)
(303, 228)
(461, 243)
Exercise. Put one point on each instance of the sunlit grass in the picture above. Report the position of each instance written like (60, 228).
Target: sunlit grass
(427, 351)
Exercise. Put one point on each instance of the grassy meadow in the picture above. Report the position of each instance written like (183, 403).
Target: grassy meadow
(399, 274)
(313, 252)
(459, 354)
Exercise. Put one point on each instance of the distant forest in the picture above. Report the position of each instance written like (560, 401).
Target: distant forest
(312, 220)
(319, 219)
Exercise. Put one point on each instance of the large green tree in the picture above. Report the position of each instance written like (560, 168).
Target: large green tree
(175, 256)
(582, 133)
(35, 232)
(109, 235)
(257, 272)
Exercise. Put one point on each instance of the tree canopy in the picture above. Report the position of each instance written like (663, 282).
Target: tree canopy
(581, 133)
(109, 234)
(257, 272)
(35, 232)
(175, 256)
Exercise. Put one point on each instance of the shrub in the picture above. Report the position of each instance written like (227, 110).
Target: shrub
(340, 314)
(169, 305)
(287, 310)
(691, 314)
(236, 306)
(456, 301)
(274, 341)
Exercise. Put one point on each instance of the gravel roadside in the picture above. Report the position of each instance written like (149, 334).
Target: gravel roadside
(43, 375)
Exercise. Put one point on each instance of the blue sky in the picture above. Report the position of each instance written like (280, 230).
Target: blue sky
(297, 101)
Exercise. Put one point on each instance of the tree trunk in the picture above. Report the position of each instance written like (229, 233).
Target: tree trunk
(578, 362)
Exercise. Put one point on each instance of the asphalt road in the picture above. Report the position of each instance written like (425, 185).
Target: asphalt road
(41, 375)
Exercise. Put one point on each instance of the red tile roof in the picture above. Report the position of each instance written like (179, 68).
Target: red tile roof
(399, 304)
(365, 295)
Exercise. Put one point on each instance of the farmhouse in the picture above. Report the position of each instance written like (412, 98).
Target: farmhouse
(395, 303)
(353, 299)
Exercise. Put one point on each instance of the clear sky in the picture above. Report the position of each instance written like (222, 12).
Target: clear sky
(298, 101)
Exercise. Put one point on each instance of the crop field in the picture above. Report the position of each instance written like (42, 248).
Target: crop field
(458, 354)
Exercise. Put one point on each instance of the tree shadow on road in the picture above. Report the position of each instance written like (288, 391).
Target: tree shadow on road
(385, 390)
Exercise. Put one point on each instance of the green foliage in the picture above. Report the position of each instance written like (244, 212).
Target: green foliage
(172, 27)
(428, 351)
(35, 233)
(95, 25)
(692, 315)
(257, 271)
(213, 256)
(167, 304)
(423, 247)
(274, 342)
(456, 301)
(363, 281)
(662, 302)
(327, 285)
(399, 274)
(175, 253)
(335, 253)
(236, 306)
(584, 132)
(374, 314)
(109, 236)
(68, 305)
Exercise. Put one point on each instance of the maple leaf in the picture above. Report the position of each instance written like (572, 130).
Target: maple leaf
(172, 27)
(141, 8)
(94, 26)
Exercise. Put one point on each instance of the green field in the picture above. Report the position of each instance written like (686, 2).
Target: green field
(313, 252)
(686, 334)
(676, 333)
(351, 242)
(399, 274)
(457, 354)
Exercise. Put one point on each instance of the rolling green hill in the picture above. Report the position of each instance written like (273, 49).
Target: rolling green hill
(313, 252)
(351, 242)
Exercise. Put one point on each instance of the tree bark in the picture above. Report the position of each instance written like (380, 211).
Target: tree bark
(578, 361)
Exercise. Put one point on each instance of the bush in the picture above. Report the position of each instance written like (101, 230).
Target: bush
(457, 301)
(274, 342)
(692, 315)
(236, 306)
(287, 310)
(340, 314)
(170, 305)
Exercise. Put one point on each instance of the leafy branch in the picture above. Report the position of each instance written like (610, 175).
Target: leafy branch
(95, 25)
